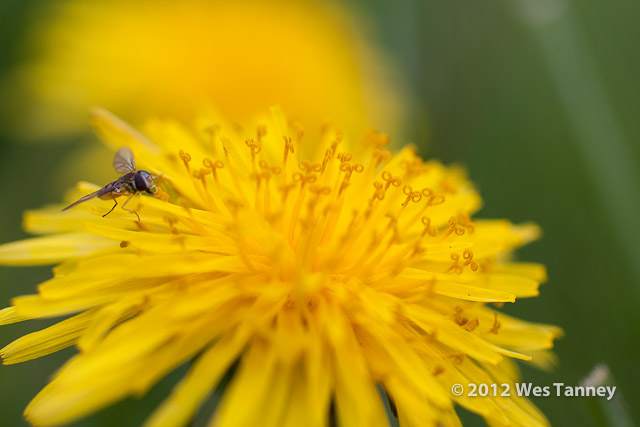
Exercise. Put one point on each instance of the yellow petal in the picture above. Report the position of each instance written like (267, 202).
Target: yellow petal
(9, 315)
(520, 410)
(449, 333)
(259, 384)
(53, 249)
(179, 408)
(49, 340)
(356, 396)
(106, 318)
(166, 242)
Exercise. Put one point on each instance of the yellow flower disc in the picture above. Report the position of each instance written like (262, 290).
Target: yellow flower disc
(151, 58)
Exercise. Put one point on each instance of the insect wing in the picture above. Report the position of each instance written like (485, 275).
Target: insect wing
(113, 187)
(83, 199)
(123, 161)
(118, 187)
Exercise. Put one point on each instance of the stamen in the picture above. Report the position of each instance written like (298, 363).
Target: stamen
(472, 325)
(428, 228)
(231, 169)
(266, 175)
(496, 325)
(334, 144)
(161, 194)
(448, 187)
(256, 177)
(285, 189)
(142, 227)
(186, 158)
(288, 148)
(455, 267)
(453, 228)
(458, 317)
(214, 166)
(348, 170)
(261, 132)
(311, 227)
(307, 167)
(202, 176)
(378, 194)
(413, 196)
(298, 130)
(272, 169)
(344, 157)
(377, 139)
(414, 167)
(381, 157)
(255, 149)
(303, 180)
(171, 221)
(431, 199)
(468, 255)
(430, 288)
(390, 180)
(393, 226)
(466, 222)
(458, 358)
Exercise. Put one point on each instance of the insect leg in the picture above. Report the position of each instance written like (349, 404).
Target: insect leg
(130, 210)
(114, 206)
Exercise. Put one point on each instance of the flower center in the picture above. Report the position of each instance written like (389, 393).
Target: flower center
(347, 215)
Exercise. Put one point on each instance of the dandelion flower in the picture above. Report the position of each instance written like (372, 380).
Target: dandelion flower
(243, 55)
(327, 276)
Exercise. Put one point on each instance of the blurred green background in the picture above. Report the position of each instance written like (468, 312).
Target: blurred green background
(538, 99)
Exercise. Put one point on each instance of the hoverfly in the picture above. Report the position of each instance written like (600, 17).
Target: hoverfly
(132, 182)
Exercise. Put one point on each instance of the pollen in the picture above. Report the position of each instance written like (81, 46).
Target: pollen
(321, 267)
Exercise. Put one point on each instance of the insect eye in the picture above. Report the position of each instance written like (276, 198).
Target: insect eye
(140, 182)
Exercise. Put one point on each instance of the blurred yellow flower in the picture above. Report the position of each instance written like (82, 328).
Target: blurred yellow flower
(330, 269)
(164, 58)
